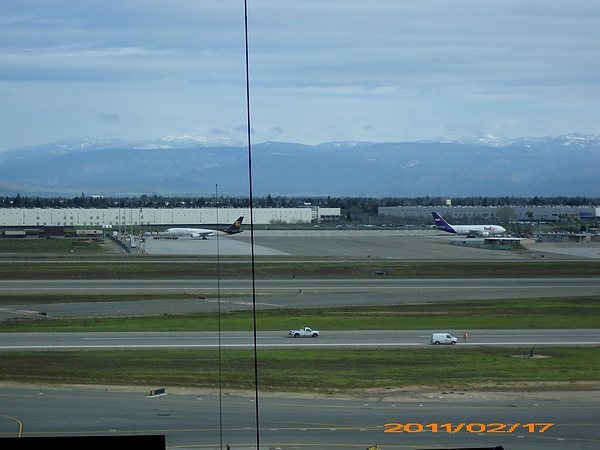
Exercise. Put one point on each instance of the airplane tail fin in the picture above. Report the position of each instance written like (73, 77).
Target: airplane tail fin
(441, 224)
(235, 227)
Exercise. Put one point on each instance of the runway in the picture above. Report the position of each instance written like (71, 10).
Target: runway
(278, 294)
(398, 419)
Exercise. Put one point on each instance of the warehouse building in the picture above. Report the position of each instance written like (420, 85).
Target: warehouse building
(491, 214)
(148, 217)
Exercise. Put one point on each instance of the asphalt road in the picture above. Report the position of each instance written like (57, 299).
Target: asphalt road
(281, 294)
(280, 339)
(399, 420)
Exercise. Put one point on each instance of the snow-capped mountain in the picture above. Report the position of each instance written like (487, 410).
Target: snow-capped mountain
(550, 166)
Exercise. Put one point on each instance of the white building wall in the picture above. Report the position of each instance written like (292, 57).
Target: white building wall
(553, 213)
(124, 217)
(329, 213)
(466, 213)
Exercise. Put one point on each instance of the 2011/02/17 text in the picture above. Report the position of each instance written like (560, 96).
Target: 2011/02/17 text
(473, 427)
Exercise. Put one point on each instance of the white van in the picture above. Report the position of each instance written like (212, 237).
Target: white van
(443, 338)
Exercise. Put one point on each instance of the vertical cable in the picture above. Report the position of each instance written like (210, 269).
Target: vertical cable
(256, 409)
(219, 324)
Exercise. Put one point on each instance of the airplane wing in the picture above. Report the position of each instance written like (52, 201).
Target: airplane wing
(194, 233)
(477, 232)
(201, 234)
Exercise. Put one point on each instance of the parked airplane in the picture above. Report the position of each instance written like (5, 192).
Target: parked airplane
(204, 233)
(469, 230)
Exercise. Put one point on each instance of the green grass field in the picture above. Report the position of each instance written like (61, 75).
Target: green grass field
(325, 370)
(203, 269)
(302, 370)
(498, 314)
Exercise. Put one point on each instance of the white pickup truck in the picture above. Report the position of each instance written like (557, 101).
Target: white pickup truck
(304, 332)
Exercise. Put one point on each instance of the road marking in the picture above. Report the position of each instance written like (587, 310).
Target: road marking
(251, 345)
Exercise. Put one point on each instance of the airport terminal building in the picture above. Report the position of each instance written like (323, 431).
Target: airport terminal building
(148, 217)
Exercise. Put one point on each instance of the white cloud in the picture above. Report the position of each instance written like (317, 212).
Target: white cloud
(319, 70)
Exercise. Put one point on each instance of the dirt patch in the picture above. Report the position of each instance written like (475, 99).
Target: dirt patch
(534, 392)
(531, 391)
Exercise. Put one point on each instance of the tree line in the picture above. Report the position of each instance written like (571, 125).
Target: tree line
(350, 207)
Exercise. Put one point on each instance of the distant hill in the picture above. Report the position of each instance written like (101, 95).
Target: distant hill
(566, 165)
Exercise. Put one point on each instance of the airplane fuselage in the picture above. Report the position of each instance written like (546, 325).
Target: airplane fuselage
(204, 233)
(482, 230)
(194, 233)
(468, 230)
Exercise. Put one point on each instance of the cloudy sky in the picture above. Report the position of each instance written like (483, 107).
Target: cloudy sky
(334, 70)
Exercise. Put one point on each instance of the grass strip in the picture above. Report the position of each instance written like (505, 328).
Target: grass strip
(498, 314)
(143, 269)
(52, 246)
(321, 370)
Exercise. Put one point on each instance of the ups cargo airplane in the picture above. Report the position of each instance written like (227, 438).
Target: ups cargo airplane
(469, 230)
(204, 233)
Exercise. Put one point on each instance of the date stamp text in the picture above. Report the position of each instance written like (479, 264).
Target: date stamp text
(472, 427)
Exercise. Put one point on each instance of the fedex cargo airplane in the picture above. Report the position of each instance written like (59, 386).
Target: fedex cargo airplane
(469, 230)
(204, 233)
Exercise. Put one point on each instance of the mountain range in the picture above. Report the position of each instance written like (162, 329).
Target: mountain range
(567, 165)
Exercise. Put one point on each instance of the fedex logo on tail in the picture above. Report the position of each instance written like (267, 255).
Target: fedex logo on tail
(441, 223)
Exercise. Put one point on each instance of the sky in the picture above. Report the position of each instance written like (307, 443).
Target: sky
(320, 71)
